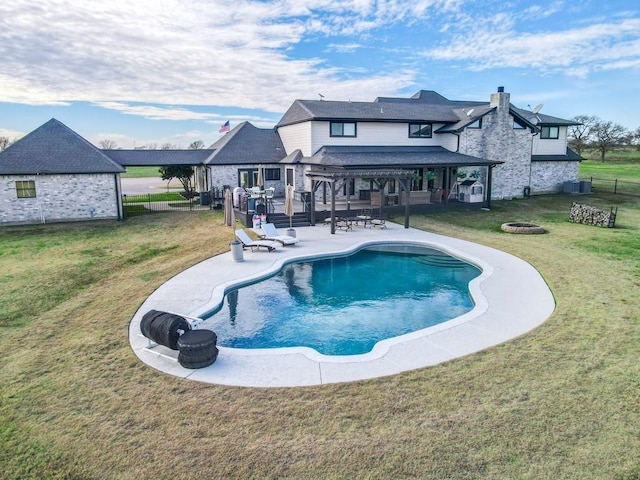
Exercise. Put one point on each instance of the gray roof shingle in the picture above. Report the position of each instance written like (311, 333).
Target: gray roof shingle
(569, 156)
(152, 158)
(405, 157)
(247, 144)
(53, 148)
(424, 106)
(305, 110)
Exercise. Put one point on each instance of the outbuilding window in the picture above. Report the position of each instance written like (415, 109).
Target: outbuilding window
(26, 188)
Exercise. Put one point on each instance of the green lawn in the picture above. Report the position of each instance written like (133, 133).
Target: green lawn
(610, 171)
(560, 402)
(141, 172)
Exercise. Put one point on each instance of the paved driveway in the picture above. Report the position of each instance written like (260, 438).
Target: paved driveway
(137, 186)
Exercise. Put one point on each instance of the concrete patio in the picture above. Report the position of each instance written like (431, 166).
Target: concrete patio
(511, 298)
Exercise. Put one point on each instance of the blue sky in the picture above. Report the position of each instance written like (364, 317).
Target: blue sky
(173, 71)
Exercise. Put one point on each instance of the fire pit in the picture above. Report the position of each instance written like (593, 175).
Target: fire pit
(519, 227)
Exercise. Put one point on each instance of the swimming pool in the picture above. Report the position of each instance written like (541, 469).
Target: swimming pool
(344, 305)
(510, 296)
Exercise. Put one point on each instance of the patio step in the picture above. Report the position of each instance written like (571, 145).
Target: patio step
(280, 220)
(440, 261)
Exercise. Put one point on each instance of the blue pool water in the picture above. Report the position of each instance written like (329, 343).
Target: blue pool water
(345, 305)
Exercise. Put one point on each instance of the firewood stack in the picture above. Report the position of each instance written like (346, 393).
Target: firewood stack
(592, 216)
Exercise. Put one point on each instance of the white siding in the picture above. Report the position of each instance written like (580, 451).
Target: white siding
(378, 134)
(549, 146)
(295, 137)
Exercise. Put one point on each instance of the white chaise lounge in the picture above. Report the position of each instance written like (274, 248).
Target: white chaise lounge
(255, 244)
(271, 233)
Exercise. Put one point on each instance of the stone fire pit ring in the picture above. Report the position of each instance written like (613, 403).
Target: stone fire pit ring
(521, 227)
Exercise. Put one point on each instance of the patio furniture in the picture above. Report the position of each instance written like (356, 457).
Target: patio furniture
(255, 244)
(343, 224)
(271, 233)
(377, 222)
(269, 193)
(365, 216)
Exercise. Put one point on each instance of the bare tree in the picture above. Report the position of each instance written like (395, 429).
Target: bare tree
(635, 138)
(169, 146)
(197, 145)
(580, 135)
(606, 136)
(4, 143)
(108, 144)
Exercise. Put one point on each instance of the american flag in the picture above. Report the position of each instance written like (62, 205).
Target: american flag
(225, 128)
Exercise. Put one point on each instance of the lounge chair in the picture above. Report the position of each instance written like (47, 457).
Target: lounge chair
(377, 222)
(271, 233)
(255, 244)
(343, 224)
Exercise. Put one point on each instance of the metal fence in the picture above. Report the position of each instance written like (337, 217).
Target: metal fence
(623, 187)
(171, 202)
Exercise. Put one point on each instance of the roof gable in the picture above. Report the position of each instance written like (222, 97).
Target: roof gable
(53, 148)
(424, 106)
(247, 144)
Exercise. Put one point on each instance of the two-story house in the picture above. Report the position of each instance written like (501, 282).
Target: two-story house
(512, 151)
(391, 151)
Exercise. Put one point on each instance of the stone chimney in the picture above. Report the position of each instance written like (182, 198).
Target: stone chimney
(500, 100)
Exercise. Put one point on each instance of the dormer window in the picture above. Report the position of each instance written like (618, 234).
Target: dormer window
(343, 129)
(419, 130)
(550, 133)
(476, 124)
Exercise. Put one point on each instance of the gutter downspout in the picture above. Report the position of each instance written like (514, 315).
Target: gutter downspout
(530, 161)
(119, 207)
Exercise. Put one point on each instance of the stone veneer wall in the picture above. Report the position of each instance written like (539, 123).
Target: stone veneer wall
(59, 198)
(228, 175)
(498, 140)
(549, 177)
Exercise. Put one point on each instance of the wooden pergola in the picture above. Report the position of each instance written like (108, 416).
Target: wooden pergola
(336, 178)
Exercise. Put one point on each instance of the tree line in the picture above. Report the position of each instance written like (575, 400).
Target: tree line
(108, 144)
(590, 133)
(603, 136)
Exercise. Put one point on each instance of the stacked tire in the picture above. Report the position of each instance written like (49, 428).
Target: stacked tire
(164, 328)
(197, 348)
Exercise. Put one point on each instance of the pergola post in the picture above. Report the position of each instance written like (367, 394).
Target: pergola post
(404, 185)
(333, 207)
(487, 201)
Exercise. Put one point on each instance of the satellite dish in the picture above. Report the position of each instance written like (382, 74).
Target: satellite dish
(470, 112)
(537, 108)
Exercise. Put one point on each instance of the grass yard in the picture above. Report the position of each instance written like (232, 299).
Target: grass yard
(561, 402)
(141, 172)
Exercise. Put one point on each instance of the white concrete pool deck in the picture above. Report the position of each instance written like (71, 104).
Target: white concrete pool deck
(511, 298)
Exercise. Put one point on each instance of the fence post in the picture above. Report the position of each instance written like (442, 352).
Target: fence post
(615, 187)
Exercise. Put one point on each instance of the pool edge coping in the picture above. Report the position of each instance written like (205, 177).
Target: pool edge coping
(486, 325)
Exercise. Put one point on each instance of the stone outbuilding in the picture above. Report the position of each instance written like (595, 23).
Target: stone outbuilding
(55, 175)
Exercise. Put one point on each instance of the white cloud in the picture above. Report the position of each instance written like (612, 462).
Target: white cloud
(179, 52)
(575, 52)
(157, 113)
(11, 134)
